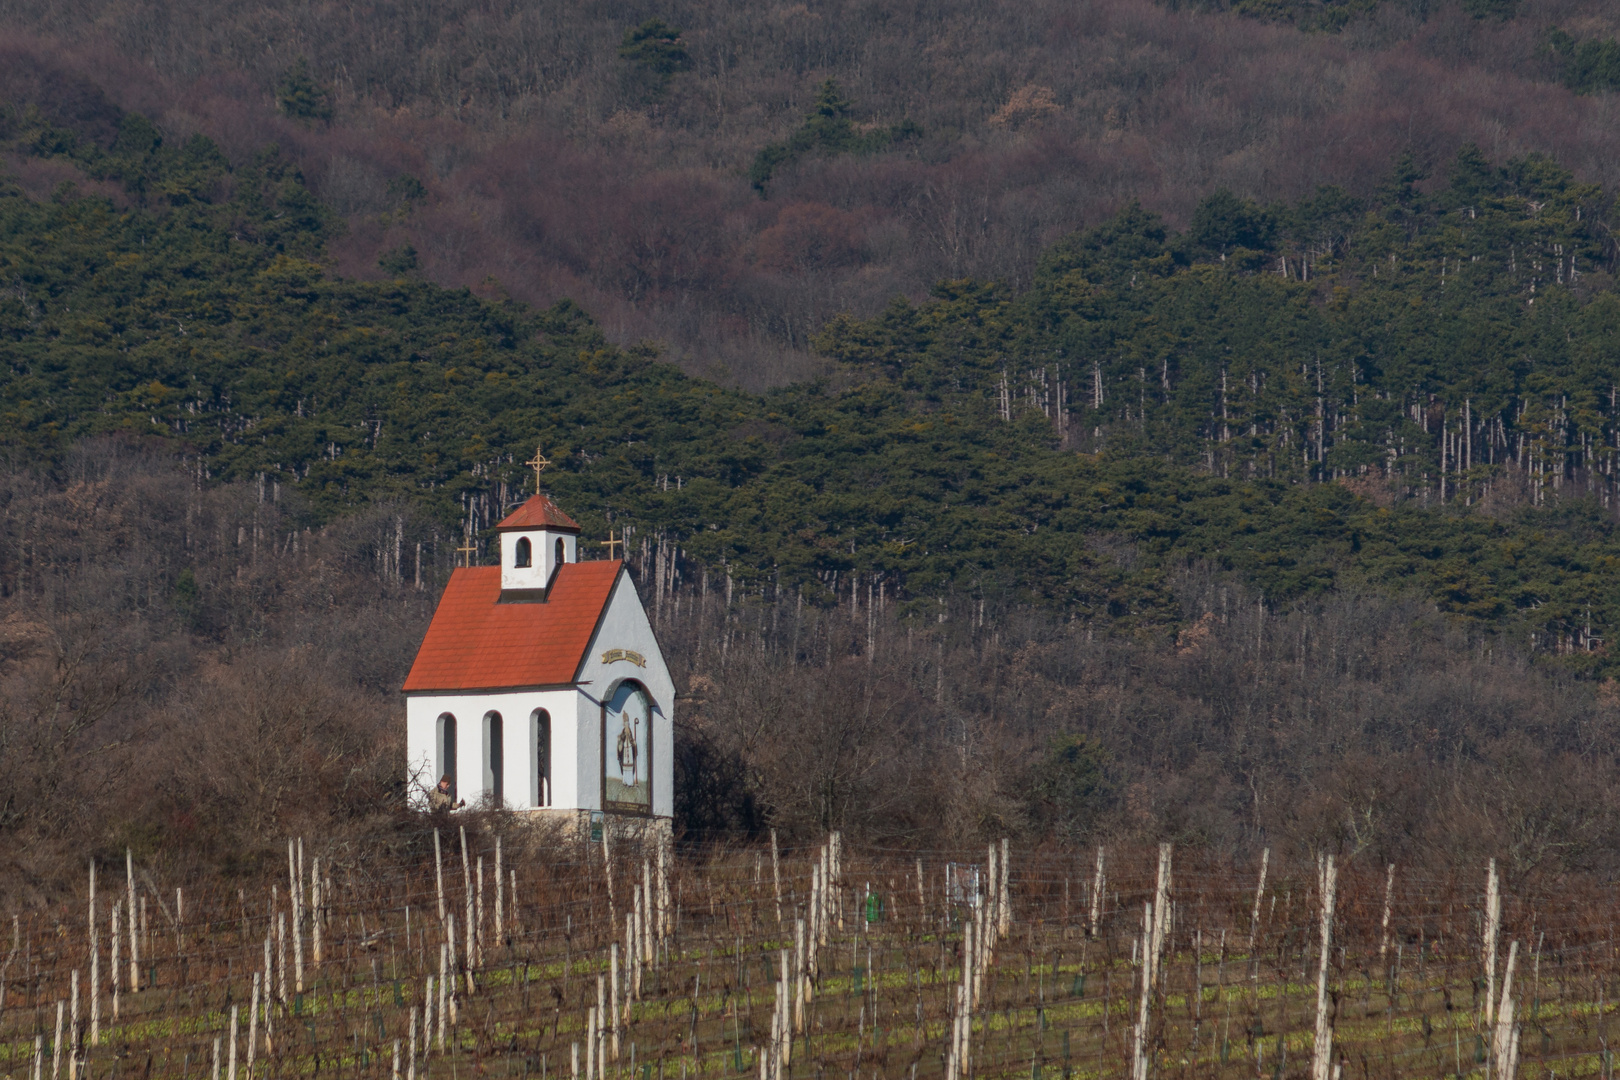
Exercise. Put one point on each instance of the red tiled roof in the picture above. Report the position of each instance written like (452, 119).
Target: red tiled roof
(539, 512)
(475, 643)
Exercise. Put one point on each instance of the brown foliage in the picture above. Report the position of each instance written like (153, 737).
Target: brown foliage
(183, 664)
(548, 169)
(1355, 724)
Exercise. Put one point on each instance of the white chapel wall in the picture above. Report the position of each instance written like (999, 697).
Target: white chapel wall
(571, 742)
(625, 628)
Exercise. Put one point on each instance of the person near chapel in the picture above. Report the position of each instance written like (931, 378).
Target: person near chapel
(442, 798)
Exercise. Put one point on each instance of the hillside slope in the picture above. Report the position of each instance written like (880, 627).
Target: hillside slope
(529, 144)
(1425, 402)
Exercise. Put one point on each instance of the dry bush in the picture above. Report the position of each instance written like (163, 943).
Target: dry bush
(186, 662)
(187, 667)
(1354, 723)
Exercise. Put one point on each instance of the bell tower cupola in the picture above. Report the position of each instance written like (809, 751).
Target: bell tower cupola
(536, 538)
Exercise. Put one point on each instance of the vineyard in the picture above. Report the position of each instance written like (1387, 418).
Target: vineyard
(471, 953)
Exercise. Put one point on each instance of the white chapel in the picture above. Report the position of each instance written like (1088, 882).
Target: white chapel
(539, 685)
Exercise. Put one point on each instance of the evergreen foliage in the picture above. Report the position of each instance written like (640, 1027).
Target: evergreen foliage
(1586, 67)
(656, 48)
(398, 261)
(300, 97)
(1419, 394)
(829, 129)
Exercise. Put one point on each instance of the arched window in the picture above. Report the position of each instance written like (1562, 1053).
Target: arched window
(525, 552)
(562, 553)
(540, 746)
(445, 751)
(494, 759)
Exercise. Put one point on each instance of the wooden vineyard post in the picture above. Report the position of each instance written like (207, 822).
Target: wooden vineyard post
(253, 1024)
(776, 876)
(1389, 896)
(281, 957)
(1004, 894)
(613, 950)
(1097, 885)
(116, 978)
(16, 943)
(992, 889)
(1322, 1049)
(297, 918)
(837, 850)
(632, 959)
(438, 874)
(664, 925)
(644, 923)
(73, 1029)
(1155, 923)
(56, 1044)
(1492, 928)
(1259, 892)
(1505, 1039)
(134, 941)
(784, 1028)
(317, 901)
(819, 904)
(428, 1003)
(601, 1014)
(607, 864)
(95, 963)
(445, 997)
(800, 980)
(470, 952)
(410, 1068)
(811, 945)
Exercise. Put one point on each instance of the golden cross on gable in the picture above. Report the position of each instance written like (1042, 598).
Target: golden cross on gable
(610, 543)
(539, 466)
(466, 552)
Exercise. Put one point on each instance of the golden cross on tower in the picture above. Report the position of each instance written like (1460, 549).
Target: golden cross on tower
(466, 552)
(610, 543)
(539, 466)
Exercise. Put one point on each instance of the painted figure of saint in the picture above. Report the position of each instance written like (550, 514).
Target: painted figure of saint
(626, 726)
(628, 751)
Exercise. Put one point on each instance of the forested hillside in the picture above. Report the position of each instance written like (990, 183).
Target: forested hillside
(1153, 399)
(1133, 486)
(548, 147)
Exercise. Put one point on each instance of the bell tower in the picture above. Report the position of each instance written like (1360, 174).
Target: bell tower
(536, 539)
